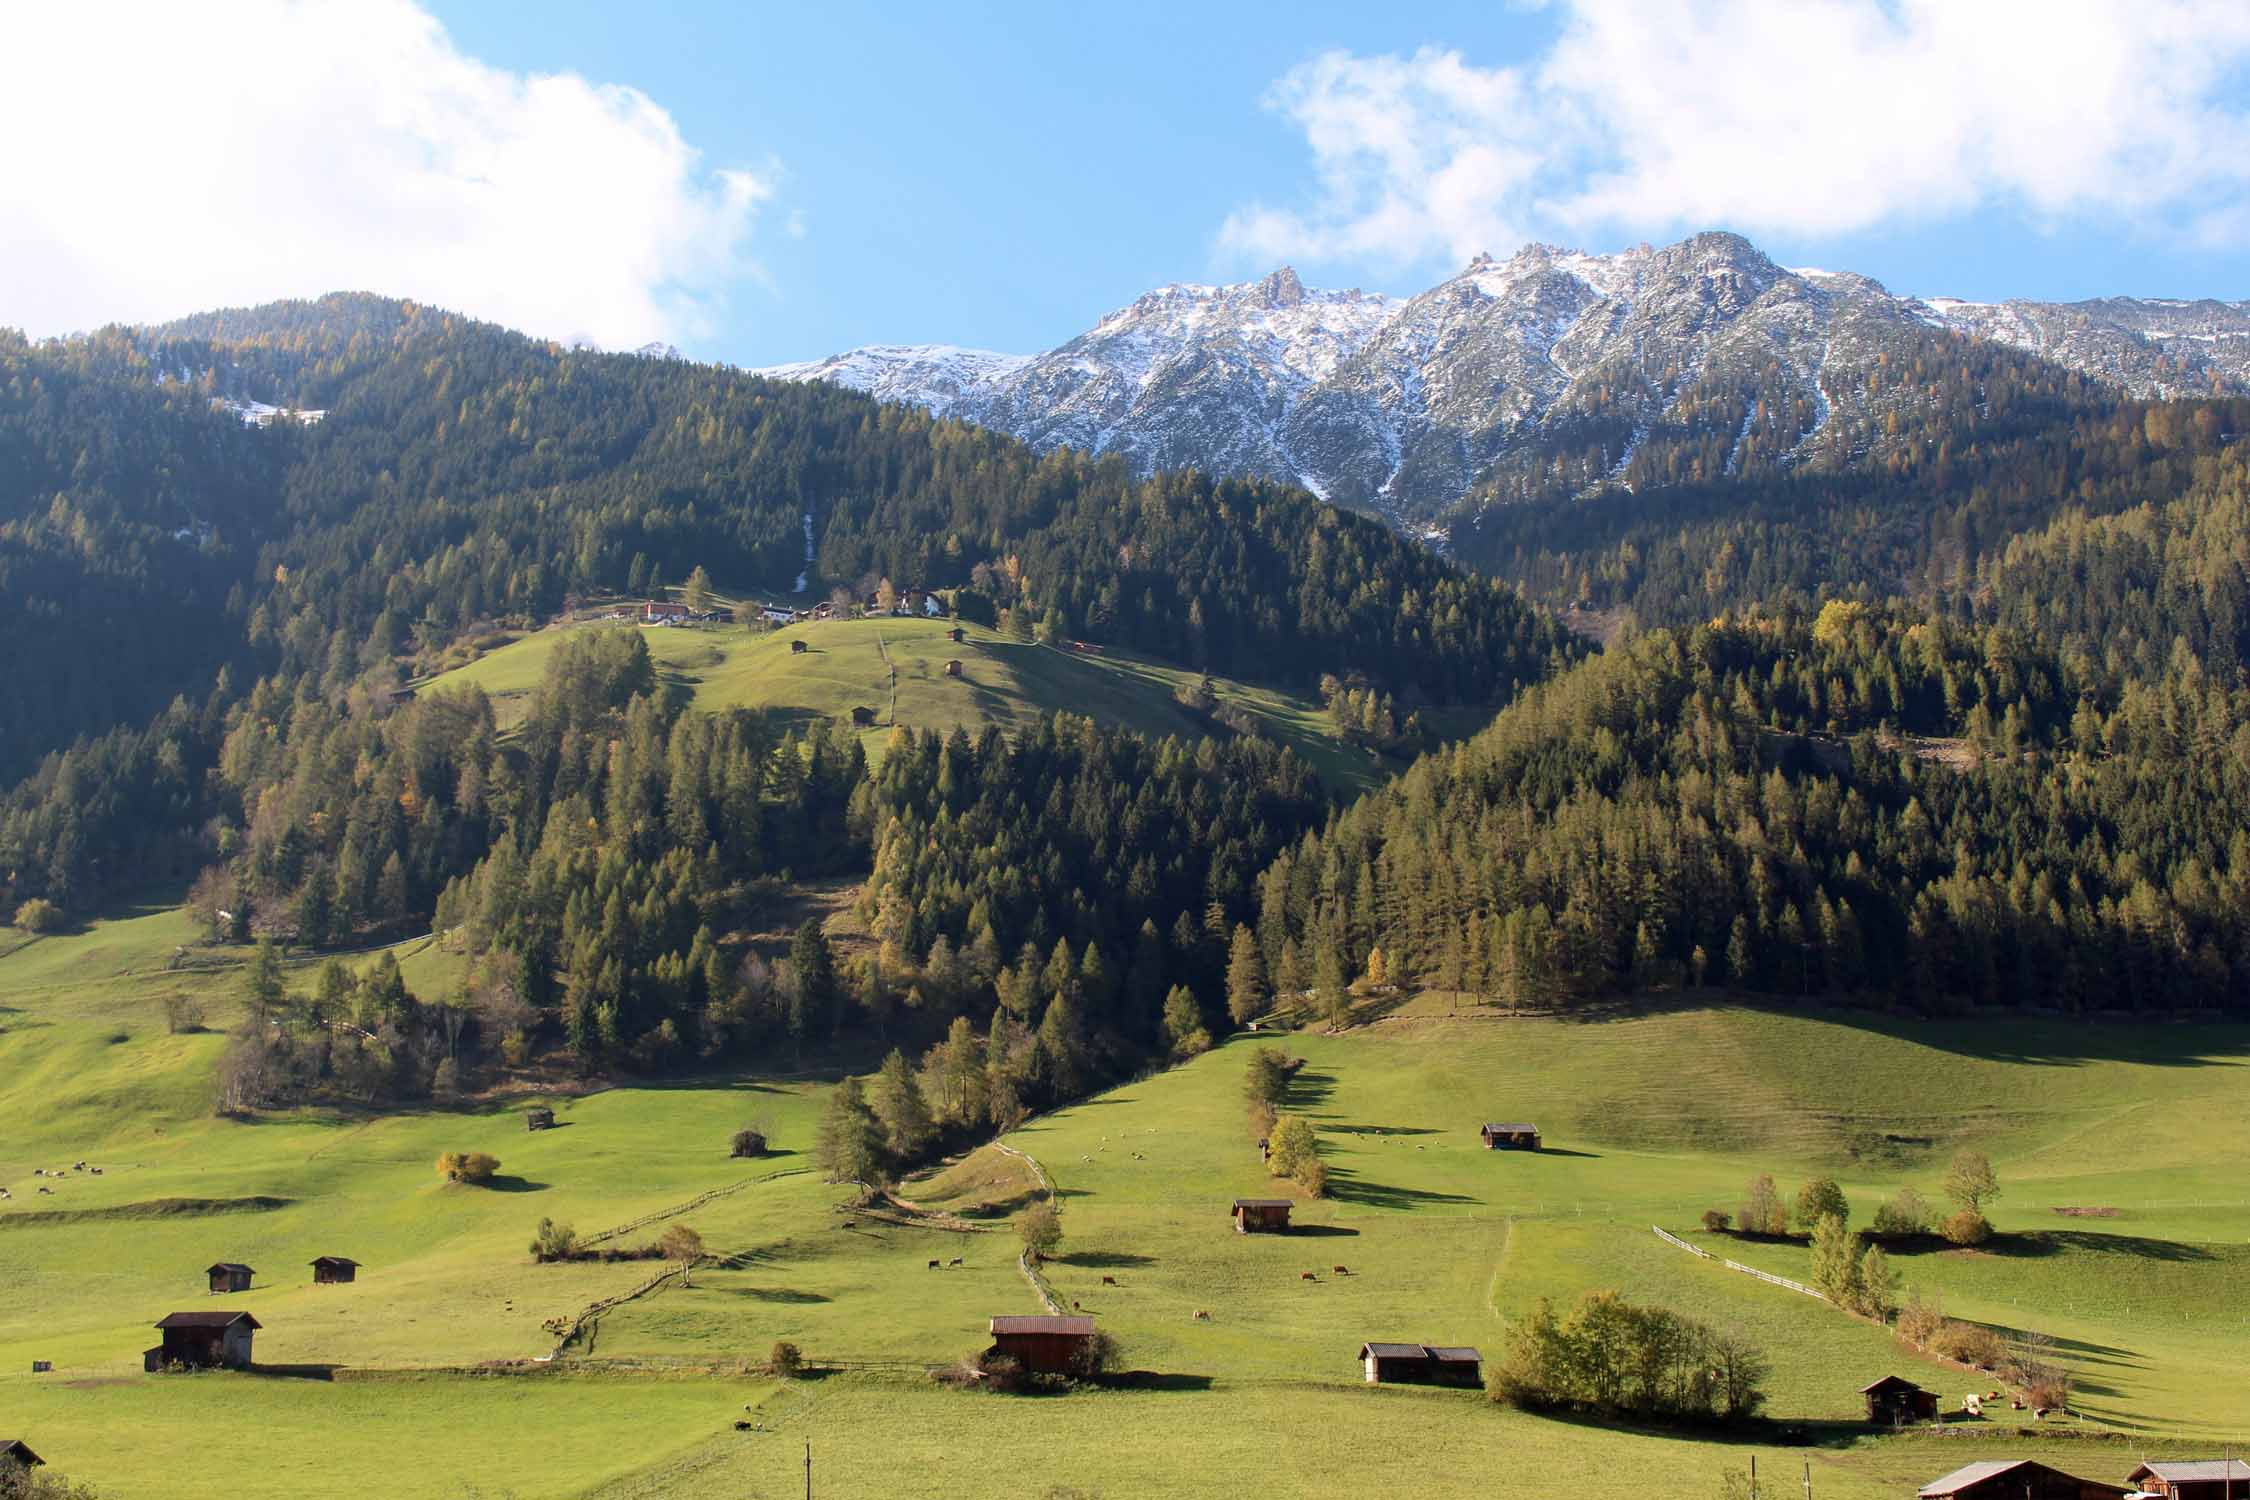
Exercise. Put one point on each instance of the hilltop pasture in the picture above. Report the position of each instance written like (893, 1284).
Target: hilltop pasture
(848, 664)
(439, 1350)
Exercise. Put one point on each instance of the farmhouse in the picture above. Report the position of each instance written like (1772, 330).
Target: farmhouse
(1261, 1215)
(202, 1340)
(20, 1451)
(1511, 1137)
(2193, 1479)
(1421, 1364)
(538, 1119)
(227, 1276)
(1046, 1346)
(2015, 1479)
(330, 1270)
(1892, 1401)
(657, 613)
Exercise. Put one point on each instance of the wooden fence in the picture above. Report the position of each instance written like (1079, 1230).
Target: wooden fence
(1735, 1265)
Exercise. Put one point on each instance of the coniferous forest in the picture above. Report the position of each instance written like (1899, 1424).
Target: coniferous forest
(1965, 726)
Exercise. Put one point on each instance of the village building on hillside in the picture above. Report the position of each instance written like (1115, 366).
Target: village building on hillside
(20, 1451)
(1515, 1137)
(657, 612)
(228, 1276)
(334, 1270)
(538, 1119)
(2193, 1479)
(202, 1341)
(1893, 1401)
(1421, 1364)
(1261, 1215)
(1043, 1345)
(957, 635)
(2016, 1479)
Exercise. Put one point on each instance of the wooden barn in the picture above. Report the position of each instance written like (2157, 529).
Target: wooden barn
(863, 716)
(1511, 1137)
(2016, 1479)
(953, 668)
(2193, 1479)
(538, 1119)
(228, 1276)
(1044, 1345)
(957, 635)
(203, 1341)
(20, 1451)
(1893, 1401)
(1421, 1364)
(1261, 1215)
(334, 1270)
(798, 647)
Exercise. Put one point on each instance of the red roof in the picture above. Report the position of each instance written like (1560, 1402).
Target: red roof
(1077, 1327)
(208, 1320)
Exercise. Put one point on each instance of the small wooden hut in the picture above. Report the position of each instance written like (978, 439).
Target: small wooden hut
(1261, 1215)
(1893, 1401)
(957, 635)
(229, 1276)
(1511, 1137)
(953, 669)
(863, 716)
(20, 1451)
(2193, 1479)
(1043, 1345)
(202, 1341)
(1421, 1364)
(334, 1270)
(539, 1119)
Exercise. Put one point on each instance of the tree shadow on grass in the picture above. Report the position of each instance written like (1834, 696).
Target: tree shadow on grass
(296, 1372)
(1382, 1130)
(783, 1294)
(1152, 1380)
(1307, 1087)
(2044, 1242)
(506, 1183)
(1566, 1151)
(1345, 1186)
(1104, 1260)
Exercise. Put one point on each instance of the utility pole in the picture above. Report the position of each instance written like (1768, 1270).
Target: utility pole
(808, 1469)
(1753, 1476)
(1808, 1479)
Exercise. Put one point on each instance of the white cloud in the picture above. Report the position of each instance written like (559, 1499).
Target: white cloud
(167, 157)
(1805, 117)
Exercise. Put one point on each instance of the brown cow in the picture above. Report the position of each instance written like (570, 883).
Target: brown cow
(1109, 1281)
(1201, 1316)
(1307, 1276)
(1341, 1270)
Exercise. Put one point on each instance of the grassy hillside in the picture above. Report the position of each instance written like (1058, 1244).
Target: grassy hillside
(1649, 1118)
(896, 669)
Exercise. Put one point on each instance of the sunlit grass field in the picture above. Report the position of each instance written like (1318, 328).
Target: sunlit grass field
(1649, 1117)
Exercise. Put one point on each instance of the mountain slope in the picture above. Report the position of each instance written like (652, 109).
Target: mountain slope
(1544, 374)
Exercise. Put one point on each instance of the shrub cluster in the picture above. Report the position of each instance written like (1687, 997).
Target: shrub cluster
(1615, 1357)
(468, 1166)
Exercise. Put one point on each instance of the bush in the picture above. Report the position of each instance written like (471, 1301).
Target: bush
(468, 1166)
(182, 1014)
(1820, 1199)
(748, 1143)
(1716, 1220)
(39, 915)
(1919, 1319)
(1616, 1357)
(1970, 1343)
(1761, 1211)
(1904, 1214)
(1094, 1357)
(787, 1360)
(1002, 1372)
(552, 1241)
(1312, 1176)
(1968, 1227)
(1292, 1144)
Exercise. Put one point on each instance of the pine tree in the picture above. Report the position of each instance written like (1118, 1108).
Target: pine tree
(898, 1103)
(1246, 977)
(848, 1145)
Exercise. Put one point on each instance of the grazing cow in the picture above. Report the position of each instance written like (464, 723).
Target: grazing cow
(97, 1171)
(933, 1265)
(849, 1224)
(1972, 1404)
(1307, 1276)
(1201, 1316)
(46, 1190)
(743, 1424)
(955, 1261)
(1109, 1281)
(1341, 1270)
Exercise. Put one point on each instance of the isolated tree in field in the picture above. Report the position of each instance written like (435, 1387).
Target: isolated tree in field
(1293, 1150)
(1821, 1199)
(1040, 1228)
(697, 594)
(684, 1247)
(552, 1241)
(899, 1104)
(1246, 976)
(1969, 1180)
(1761, 1211)
(848, 1147)
(38, 915)
(748, 1141)
(476, 1167)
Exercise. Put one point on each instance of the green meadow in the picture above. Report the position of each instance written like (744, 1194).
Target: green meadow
(435, 1375)
(850, 664)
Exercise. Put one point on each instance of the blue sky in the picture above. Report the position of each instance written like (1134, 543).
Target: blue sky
(762, 183)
